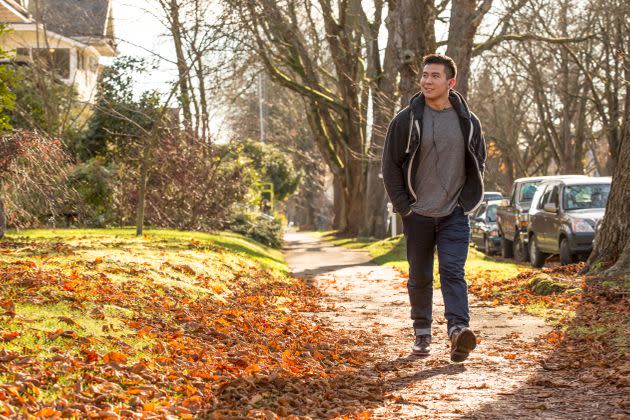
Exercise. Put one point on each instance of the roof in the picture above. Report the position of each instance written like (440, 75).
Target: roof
(73, 18)
(13, 11)
(547, 177)
(586, 180)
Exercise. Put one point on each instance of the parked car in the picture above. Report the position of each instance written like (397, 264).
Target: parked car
(492, 195)
(484, 232)
(512, 215)
(564, 217)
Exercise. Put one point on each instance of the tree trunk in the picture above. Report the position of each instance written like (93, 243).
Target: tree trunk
(612, 245)
(3, 218)
(383, 105)
(465, 19)
(415, 37)
(339, 206)
(142, 186)
(182, 67)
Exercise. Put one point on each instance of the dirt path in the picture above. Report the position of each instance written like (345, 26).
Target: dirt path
(367, 297)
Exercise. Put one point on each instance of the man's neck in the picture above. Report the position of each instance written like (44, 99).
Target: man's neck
(439, 104)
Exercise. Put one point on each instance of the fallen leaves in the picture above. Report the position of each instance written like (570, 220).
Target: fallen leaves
(115, 356)
(171, 352)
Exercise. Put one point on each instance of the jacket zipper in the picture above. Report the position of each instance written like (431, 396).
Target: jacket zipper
(476, 166)
(409, 136)
(415, 197)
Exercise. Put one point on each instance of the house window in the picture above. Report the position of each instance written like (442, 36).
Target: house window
(22, 55)
(55, 59)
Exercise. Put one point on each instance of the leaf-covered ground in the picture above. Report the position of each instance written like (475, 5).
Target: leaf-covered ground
(585, 363)
(102, 324)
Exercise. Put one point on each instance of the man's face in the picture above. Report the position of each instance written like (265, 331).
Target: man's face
(435, 83)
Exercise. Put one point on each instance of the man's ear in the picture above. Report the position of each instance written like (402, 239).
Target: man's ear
(451, 83)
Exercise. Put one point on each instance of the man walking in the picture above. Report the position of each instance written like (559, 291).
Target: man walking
(433, 164)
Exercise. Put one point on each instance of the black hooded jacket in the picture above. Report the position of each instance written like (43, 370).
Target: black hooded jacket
(401, 157)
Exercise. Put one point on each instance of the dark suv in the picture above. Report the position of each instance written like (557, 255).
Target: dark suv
(564, 216)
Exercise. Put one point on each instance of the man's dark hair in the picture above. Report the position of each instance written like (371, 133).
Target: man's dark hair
(449, 65)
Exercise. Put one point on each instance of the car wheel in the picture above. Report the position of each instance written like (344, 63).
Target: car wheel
(487, 246)
(506, 248)
(565, 252)
(520, 250)
(536, 258)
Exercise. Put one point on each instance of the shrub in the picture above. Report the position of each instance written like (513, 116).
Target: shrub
(34, 181)
(95, 181)
(258, 226)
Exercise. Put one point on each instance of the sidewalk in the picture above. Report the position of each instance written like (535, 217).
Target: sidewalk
(363, 297)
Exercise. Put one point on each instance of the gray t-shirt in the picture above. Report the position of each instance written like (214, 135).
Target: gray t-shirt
(441, 173)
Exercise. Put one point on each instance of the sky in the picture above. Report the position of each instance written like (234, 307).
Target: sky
(139, 33)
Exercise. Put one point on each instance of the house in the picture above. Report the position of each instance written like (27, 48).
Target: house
(68, 36)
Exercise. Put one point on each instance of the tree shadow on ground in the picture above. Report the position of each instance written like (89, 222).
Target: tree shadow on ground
(586, 374)
(345, 394)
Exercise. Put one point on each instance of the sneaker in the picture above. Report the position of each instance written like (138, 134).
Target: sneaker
(463, 341)
(421, 346)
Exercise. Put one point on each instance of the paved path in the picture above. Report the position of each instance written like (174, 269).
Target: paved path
(367, 297)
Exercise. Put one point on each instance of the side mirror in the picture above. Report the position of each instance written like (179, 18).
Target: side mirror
(550, 207)
(505, 202)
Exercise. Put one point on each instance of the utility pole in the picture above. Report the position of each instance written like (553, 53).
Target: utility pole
(262, 108)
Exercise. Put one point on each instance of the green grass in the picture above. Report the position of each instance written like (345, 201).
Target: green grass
(172, 240)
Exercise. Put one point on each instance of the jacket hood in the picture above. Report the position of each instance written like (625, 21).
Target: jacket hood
(417, 103)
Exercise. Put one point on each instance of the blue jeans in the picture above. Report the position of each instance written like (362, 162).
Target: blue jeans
(451, 235)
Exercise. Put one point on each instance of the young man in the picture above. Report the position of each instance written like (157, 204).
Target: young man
(433, 164)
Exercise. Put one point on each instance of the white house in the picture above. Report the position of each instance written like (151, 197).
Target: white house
(68, 35)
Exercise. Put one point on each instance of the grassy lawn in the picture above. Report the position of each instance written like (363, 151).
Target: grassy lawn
(101, 323)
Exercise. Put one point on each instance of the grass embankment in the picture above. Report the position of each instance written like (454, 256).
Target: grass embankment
(591, 316)
(99, 323)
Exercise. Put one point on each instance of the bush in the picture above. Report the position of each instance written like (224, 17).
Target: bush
(34, 182)
(257, 226)
(95, 183)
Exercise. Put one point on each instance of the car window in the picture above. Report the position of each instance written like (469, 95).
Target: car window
(480, 210)
(578, 197)
(489, 197)
(527, 191)
(544, 196)
(491, 214)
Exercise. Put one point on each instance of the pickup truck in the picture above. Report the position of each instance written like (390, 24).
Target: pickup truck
(513, 218)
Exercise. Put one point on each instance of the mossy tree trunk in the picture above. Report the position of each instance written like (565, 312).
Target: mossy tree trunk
(611, 252)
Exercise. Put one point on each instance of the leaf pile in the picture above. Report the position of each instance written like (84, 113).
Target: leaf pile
(155, 337)
(563, 287)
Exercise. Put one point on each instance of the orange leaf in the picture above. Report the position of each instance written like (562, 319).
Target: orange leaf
(114, 356)
(9, 335)
(90, 356)
(47, 412)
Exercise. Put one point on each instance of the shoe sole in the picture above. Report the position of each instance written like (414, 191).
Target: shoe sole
(465, 343)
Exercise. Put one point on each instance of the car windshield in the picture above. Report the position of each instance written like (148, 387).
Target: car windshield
(489, 197)
(578, 197)
(527, 191)
(491, 213)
